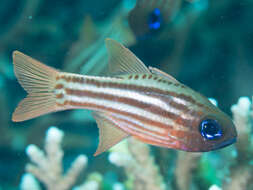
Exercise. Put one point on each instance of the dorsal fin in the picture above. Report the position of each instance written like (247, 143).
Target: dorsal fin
(122, 60)
(109, 133)
(162, 74)
(88, 31)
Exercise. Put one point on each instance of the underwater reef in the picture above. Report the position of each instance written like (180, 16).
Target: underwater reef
(204, 44)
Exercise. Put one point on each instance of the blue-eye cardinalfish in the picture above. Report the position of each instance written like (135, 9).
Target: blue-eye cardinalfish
(150, 17)
(137, 101)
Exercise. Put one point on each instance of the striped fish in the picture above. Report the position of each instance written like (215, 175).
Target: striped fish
(137, 101)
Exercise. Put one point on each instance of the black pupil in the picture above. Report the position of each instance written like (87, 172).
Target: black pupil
(155, 19)
(210, 129)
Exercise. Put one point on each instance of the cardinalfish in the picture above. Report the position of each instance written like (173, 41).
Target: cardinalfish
(150, 17)
(133, 100)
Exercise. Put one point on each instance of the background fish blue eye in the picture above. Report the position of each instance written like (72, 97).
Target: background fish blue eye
(155, 19)
(210, 129)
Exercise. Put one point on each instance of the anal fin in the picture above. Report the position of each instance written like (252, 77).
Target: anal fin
(109, 133)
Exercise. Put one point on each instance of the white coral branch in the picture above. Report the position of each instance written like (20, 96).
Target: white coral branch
(241, 116)
(241, 175)
(47, 167)
(186, 163)
(139, 165)
(93, 182)
(29, 182)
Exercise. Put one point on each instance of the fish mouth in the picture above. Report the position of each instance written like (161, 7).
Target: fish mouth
(226, 143)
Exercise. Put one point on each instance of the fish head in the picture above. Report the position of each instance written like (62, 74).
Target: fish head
(149, 18)
(212, 130)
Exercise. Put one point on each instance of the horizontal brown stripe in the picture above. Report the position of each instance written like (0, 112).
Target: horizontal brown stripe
(133, 87)
(148, 138)
(59, 96)
(148, 107)
(94, 106)
(167, 144)
(143, 89)
(136, 126)
(87, 80)
(59, 86)
(71, 78)
(177, 135)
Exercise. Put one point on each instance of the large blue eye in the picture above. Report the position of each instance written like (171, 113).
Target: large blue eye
(210, 129)
(155, 19)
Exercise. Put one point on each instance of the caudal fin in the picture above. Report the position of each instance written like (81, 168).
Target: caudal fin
(39, 81)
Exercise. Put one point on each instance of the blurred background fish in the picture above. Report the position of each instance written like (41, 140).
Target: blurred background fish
(88, 55)
(150, 17)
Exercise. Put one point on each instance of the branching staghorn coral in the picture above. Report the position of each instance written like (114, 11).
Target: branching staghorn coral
(92, 183)
(241, 173)
(47, 166)
(186, 163)
(140, 167)
(241, 116)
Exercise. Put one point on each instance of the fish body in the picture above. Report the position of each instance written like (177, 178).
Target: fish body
(137, 101)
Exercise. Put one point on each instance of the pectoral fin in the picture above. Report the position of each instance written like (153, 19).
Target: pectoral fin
(109, 133)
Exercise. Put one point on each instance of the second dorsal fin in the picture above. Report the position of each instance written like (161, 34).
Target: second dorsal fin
(162, 74)
(122, 60)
